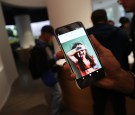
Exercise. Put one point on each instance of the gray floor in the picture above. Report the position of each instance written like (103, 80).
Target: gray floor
(29, 99)
(28, 96)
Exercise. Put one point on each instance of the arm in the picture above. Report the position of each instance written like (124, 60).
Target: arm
(116, 78)
(71, 56)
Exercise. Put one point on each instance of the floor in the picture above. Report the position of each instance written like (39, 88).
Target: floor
(28, 96)
(31, 97)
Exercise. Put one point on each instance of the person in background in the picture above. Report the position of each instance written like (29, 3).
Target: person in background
(49, 68)
(116, 40)
(125, 25)
(129, 6)
(111, 22)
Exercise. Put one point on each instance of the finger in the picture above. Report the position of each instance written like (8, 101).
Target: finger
(66, 67)
(105, 83)
(72, 76)
(59, 55)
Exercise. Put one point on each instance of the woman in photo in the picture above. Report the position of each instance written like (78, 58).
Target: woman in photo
(83, 61)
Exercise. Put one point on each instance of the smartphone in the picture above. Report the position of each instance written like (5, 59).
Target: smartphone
(79, 53)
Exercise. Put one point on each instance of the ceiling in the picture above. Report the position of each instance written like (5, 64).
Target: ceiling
(36, 14)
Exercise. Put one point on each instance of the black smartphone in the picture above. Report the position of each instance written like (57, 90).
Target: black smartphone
(79, 53)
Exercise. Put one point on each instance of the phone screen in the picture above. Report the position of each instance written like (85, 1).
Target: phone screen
(79, 51)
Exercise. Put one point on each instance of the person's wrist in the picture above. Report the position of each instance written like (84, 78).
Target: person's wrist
(132, 94)
(124, 82)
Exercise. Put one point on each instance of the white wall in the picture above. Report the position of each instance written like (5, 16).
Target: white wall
(4, 88)
(8, 72)
(64, 12)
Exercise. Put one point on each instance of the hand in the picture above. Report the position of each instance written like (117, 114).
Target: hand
(116, 78)
(106, 58)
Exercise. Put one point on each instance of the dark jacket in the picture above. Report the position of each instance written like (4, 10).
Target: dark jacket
(47, 63)
(114, 39)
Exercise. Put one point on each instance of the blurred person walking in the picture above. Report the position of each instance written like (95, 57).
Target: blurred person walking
(125, 25)
(117, 41)
(45, 61)
(129, 6)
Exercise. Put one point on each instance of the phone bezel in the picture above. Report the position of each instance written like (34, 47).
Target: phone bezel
(89, 78)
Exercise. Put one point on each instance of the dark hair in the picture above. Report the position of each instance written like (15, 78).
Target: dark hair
(47, 29)
(123, 20)
(80, 62)
(99, 15)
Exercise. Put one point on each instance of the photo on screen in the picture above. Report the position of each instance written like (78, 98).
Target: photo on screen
(81, 56)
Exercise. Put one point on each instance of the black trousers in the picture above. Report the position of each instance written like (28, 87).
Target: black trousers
(100, 97)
